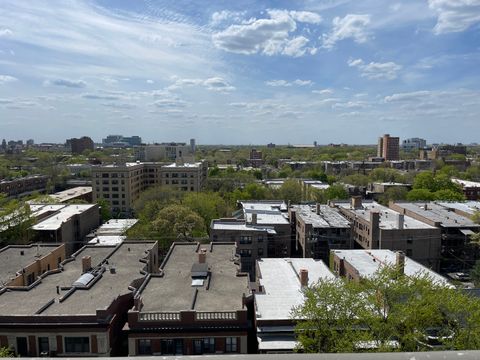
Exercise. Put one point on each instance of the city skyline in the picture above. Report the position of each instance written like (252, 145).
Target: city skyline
(249, 72)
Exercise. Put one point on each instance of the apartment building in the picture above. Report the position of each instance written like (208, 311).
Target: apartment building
(165, 152)
(68, 224)
(457, 254)
(24, 186)
(319, 229)
(77, 193)
(280, 283)
(355, 265)
(413, 144)
(197, 304)
(21, 265)
(471, 189)
(121, 185)
(388, 147)
(251, 239)
(80, 308)
(377, 227)
(274, 214)
(465, 208)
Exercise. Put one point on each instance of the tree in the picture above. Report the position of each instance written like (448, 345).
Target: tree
(393, 193)
(420, 194)
(6, 353)
(105, 210)
(291, 190)
(208, 205)
(334, 192)
(392, 311)
(475, 273)
(15, 222)
(448, 195)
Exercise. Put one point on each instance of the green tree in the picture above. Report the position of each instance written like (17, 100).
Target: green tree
(475, 273)
(393, 193)
(425, 180)
(6, 353)
(420, 195)
(105, 210)
(390, 310)
(334, 192)
(178, 222)
(448, 195)
(208, 205)
(16, 221)
(291, 190)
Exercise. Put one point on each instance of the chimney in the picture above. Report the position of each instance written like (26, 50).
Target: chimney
(318, 208)
(401, 221)
(254, 218)
(401, 262)
(303, 277)
(202, 256)
(356, 202)
(86, 264)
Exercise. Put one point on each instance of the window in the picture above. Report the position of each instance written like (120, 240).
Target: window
(172, 347)
(43, 346)
(144, 347)
(245, 239)
(260, 252)
(245, 252)
(209, 345)
(77, 344)
(260, 238)
(231, 344)
(409, 252)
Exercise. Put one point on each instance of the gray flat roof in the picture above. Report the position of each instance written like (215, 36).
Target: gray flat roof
(367, 262)
(114, 227)
(225, 287)
(282, 288)
(12, 260)
(327, 218)
(267, 217)
(71, 193)
(438, 213)
(388, 217)
(125, 259)
(469, 207)
(64, 213)
(263, 205)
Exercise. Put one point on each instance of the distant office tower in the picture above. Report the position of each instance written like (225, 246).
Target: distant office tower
(413, 144)
(78, 146)
(388, 147)
(192, 146)
(120, 141)
(164, 152)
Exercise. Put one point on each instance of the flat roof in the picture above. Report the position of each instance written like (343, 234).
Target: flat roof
(262, 205)
(469, 207)
(328, 217)
(267, 217)
(55, 221)
(388, 217)
(184, 165)
(71, 193)
(367, 262)
(126, 260)
(282, 289)
(114, 227)
(110, 240)
(437, 213)
(13, 258)
(225, 288)
(239, 226)
(466, 183)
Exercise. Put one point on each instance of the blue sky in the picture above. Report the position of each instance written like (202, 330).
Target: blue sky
(240, 72)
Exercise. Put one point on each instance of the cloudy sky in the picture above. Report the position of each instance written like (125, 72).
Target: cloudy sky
(240, 72)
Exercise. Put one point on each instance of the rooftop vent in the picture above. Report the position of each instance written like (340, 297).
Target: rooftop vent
(83, 280)
(199, 271)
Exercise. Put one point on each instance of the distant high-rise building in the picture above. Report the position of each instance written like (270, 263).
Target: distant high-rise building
(30, 142)
(192, 146)
(256, 158)
(413, 144)
(78, 146)
(388, 147)
(121, 141)
(4, 144)
(164, 152)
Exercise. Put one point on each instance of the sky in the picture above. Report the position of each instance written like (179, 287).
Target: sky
(240, 72)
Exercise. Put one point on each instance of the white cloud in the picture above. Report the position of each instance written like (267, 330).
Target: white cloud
(455, 15)
(219, 17)
(6, 79)
(285, 83)
(375, 70)
(5, 32)
(352, 26)
(407, 97)
(66, 83)
(323, 91)
(268, 36)
(170, 103)
(218, 84)
(149, 81)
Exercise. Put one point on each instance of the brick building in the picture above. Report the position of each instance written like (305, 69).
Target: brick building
(388, 147)
(197, 304)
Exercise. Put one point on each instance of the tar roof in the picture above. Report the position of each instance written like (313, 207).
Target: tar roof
(367, 262)
(327, 218)
(264, 205)
(267, 217)
(115, 227)
(225, 288)
(126, 260)
(438, 213)
(282, 288)
(14, 258)
(388, 217)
